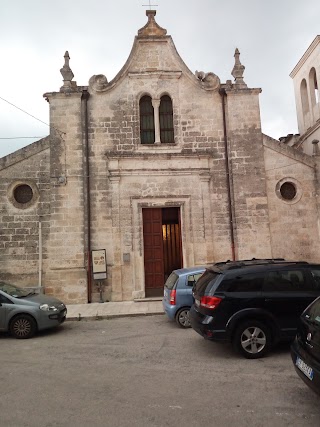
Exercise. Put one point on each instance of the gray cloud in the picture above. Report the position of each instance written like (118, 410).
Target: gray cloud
(271, 36)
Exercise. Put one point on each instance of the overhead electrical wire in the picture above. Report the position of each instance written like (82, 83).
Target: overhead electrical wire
(61, 133)
(22, 137)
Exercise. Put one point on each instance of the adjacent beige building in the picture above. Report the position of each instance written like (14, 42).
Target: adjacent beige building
(162, 168)
(306, 75)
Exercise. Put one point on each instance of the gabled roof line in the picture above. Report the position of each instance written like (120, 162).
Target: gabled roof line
(24, 152)
(305, 56)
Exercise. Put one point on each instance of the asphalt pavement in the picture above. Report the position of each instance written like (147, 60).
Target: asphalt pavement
(145, 371)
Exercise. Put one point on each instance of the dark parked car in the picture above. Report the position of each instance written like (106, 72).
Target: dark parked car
(253, 303)
(305, 350)
(177, 298)
(23, 312)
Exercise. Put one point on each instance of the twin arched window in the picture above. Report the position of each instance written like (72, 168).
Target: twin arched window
(147, 132)
(156, 120)
(304, 96)
(309, 93)
(313, 86)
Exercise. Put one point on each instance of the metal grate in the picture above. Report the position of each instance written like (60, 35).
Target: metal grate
(288, 191)
(147, 133)
(166, 120)
(23, 194)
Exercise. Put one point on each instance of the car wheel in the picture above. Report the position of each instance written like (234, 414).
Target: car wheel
(182, 317)
(23, 326)
(252, 339)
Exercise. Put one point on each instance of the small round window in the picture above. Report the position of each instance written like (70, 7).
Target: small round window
(288, 191)
(23, 194)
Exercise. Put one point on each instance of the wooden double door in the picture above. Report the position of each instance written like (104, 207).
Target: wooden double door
(162, 247)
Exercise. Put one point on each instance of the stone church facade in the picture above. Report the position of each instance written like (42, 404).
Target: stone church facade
(162, 168)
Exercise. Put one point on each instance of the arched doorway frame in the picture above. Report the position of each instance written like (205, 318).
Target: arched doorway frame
(137, 204)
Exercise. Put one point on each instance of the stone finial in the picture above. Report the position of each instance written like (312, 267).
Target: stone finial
(151, 28)
(67, 73)
(238, 70)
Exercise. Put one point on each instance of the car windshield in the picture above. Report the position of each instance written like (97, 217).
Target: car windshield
(13, 290)
(313, 312)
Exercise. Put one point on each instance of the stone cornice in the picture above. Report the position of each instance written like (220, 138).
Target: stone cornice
(305, 56)
(116, 155)
(291, 152)
(160, 74)
(248, 91)
(114, 172)
(74, 94)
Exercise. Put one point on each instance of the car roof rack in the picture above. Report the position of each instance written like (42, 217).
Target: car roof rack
(253, 262)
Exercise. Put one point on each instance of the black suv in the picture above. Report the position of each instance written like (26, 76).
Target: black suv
(253, 303)
(305, 350)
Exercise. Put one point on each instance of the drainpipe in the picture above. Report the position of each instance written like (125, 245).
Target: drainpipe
(40, 258)
(87, 228)
(228, 175)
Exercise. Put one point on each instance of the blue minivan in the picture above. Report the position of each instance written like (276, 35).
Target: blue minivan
(178, 298)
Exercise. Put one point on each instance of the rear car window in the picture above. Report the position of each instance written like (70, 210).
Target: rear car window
(206, 283)
(171, 280)
(313, 312)
(285, 281)
(243, 283)
(193, 278)
(316, 278)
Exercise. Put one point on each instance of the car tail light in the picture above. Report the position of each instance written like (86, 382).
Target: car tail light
(210, 302)
(173, 297)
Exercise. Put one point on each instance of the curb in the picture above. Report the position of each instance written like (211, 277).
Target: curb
(81, 318)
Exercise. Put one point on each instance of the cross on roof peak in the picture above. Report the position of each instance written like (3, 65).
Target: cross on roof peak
(149, 5)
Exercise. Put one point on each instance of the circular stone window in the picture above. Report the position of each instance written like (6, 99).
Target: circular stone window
(289, 190)
(23, 194)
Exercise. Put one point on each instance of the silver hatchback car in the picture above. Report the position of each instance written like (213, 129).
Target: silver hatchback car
(23, 312)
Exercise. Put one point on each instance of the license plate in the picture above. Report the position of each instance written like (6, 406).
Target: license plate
(304, 368)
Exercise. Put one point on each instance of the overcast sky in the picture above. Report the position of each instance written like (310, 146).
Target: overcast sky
(271, 35)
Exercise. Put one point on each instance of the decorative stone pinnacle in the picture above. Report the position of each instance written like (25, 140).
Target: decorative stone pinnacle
(151, 28)
(238, 70)
(66, 71)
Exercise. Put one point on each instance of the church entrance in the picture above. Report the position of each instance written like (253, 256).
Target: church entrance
(162, 247)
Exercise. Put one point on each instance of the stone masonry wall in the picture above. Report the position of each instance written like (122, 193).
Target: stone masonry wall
(293, 224)
(248, 174)
(19, 225)
(66, 275)
(123, 171)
